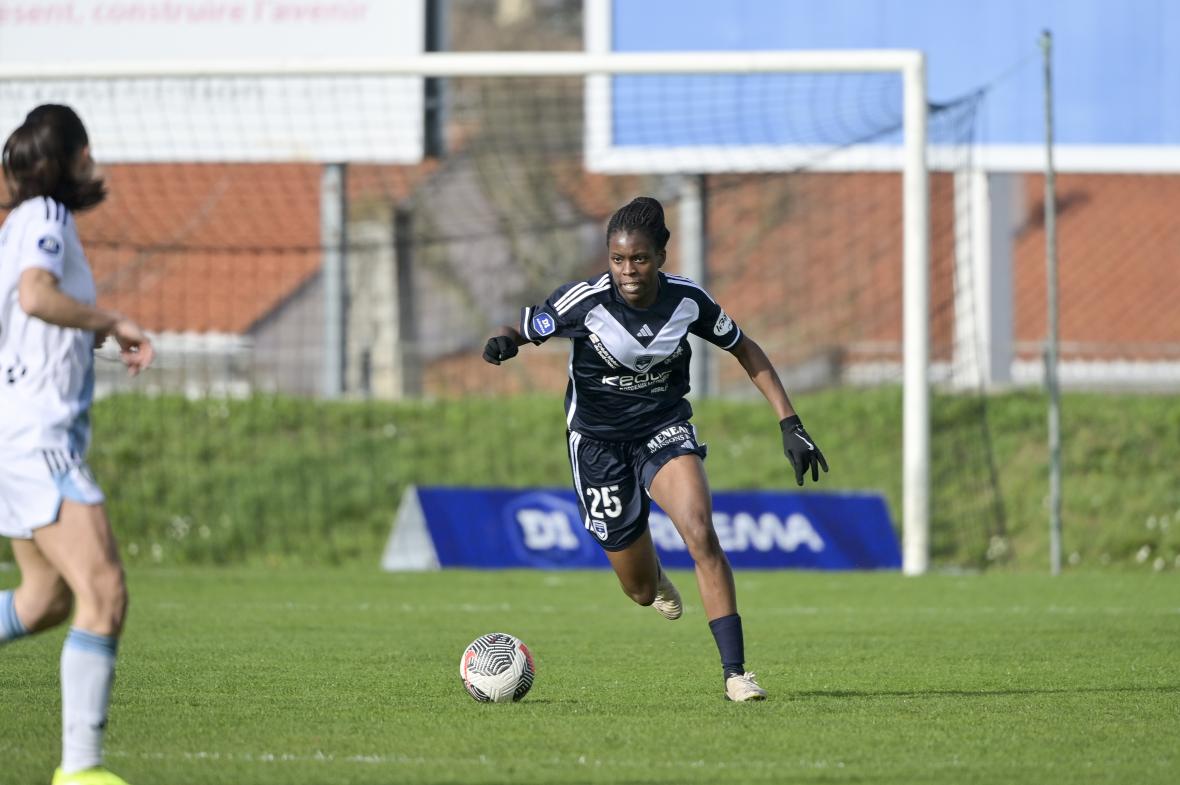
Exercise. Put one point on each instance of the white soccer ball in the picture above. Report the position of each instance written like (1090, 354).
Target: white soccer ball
(497, 668)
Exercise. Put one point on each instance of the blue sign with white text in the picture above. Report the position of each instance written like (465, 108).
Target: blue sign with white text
(506, 528)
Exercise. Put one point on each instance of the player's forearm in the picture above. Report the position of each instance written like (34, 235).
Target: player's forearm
(757, 365)
(40, 298)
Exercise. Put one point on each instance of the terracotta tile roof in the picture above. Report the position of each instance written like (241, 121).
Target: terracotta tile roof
(808, 262)
(1118, 265)
(804, 261)
(216, 247)
(165, 246)
(808, 265)
(788, 264)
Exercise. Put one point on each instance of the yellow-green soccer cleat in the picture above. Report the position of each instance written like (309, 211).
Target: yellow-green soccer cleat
(93, 776)
(741, 687)
(667, 600)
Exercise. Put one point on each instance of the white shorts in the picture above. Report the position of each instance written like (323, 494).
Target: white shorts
(33, 486)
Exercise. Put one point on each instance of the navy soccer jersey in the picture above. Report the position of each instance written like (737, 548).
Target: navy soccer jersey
(628, 366)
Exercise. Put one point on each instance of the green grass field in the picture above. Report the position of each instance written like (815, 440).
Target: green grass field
(330, 675)
(285, 481)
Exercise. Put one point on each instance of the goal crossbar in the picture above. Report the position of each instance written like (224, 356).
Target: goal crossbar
(444, 64)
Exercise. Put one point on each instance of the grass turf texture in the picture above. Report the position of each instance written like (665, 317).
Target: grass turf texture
(280, 480)
(248, 675)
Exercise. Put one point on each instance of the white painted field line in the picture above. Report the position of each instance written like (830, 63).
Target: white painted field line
(289, 757)
(482, 760)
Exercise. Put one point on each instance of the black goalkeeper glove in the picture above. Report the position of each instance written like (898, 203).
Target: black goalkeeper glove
(801, 449)
(499, 348)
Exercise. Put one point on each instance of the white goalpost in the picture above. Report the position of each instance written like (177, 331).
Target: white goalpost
(89, 85)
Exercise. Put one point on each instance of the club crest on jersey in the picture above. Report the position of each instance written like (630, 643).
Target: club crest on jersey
(724, 324)
(599, 528)
(643, 362)
(50, 245)
(543, 324)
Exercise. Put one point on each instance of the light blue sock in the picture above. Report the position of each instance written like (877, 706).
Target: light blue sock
(10, 626)
(87, 672)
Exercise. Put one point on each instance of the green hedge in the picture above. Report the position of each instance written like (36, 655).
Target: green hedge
(275, 479)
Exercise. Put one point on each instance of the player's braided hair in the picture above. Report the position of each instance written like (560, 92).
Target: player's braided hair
(645, 214)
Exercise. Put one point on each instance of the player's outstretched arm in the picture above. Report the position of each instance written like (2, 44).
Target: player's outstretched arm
(798, 446)
(41, 297)
(503, 346)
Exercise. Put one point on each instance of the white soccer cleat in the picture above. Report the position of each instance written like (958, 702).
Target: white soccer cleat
(667, 600)
(742, 687)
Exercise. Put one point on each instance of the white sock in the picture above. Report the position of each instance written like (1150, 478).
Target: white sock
(10, 626)
(87, 671)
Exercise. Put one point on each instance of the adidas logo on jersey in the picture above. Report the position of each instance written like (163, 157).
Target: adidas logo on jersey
(644, 332)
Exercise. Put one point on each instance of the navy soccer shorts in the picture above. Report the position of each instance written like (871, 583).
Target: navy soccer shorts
(612, 479)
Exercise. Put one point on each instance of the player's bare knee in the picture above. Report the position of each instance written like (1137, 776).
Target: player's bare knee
(117, 598)
(106, 592)
(702, 543)
(641, 595)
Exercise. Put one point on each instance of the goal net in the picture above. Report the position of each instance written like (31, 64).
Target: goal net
(300, 235)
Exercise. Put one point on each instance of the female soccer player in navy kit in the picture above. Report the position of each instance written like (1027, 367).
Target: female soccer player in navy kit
(50, 505)
(629, 432)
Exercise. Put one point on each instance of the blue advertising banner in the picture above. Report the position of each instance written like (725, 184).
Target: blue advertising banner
(497, 528)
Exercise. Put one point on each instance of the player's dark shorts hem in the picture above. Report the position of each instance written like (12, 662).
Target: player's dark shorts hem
(612, 480)
(623, 543)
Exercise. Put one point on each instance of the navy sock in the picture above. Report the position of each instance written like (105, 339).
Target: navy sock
(727, 631)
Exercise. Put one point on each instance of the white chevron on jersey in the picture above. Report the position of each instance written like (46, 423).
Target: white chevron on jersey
(580, 292)
(630, 352)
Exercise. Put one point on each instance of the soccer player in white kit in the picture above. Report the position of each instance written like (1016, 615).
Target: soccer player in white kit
(50, 506)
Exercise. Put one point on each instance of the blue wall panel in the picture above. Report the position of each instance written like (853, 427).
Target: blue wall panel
(1116, 62)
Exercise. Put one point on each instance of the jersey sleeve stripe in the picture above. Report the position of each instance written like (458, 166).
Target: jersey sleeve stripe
(587, 293)
(55, 211)
(581, 286)
(573, 291)
(526, 315)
